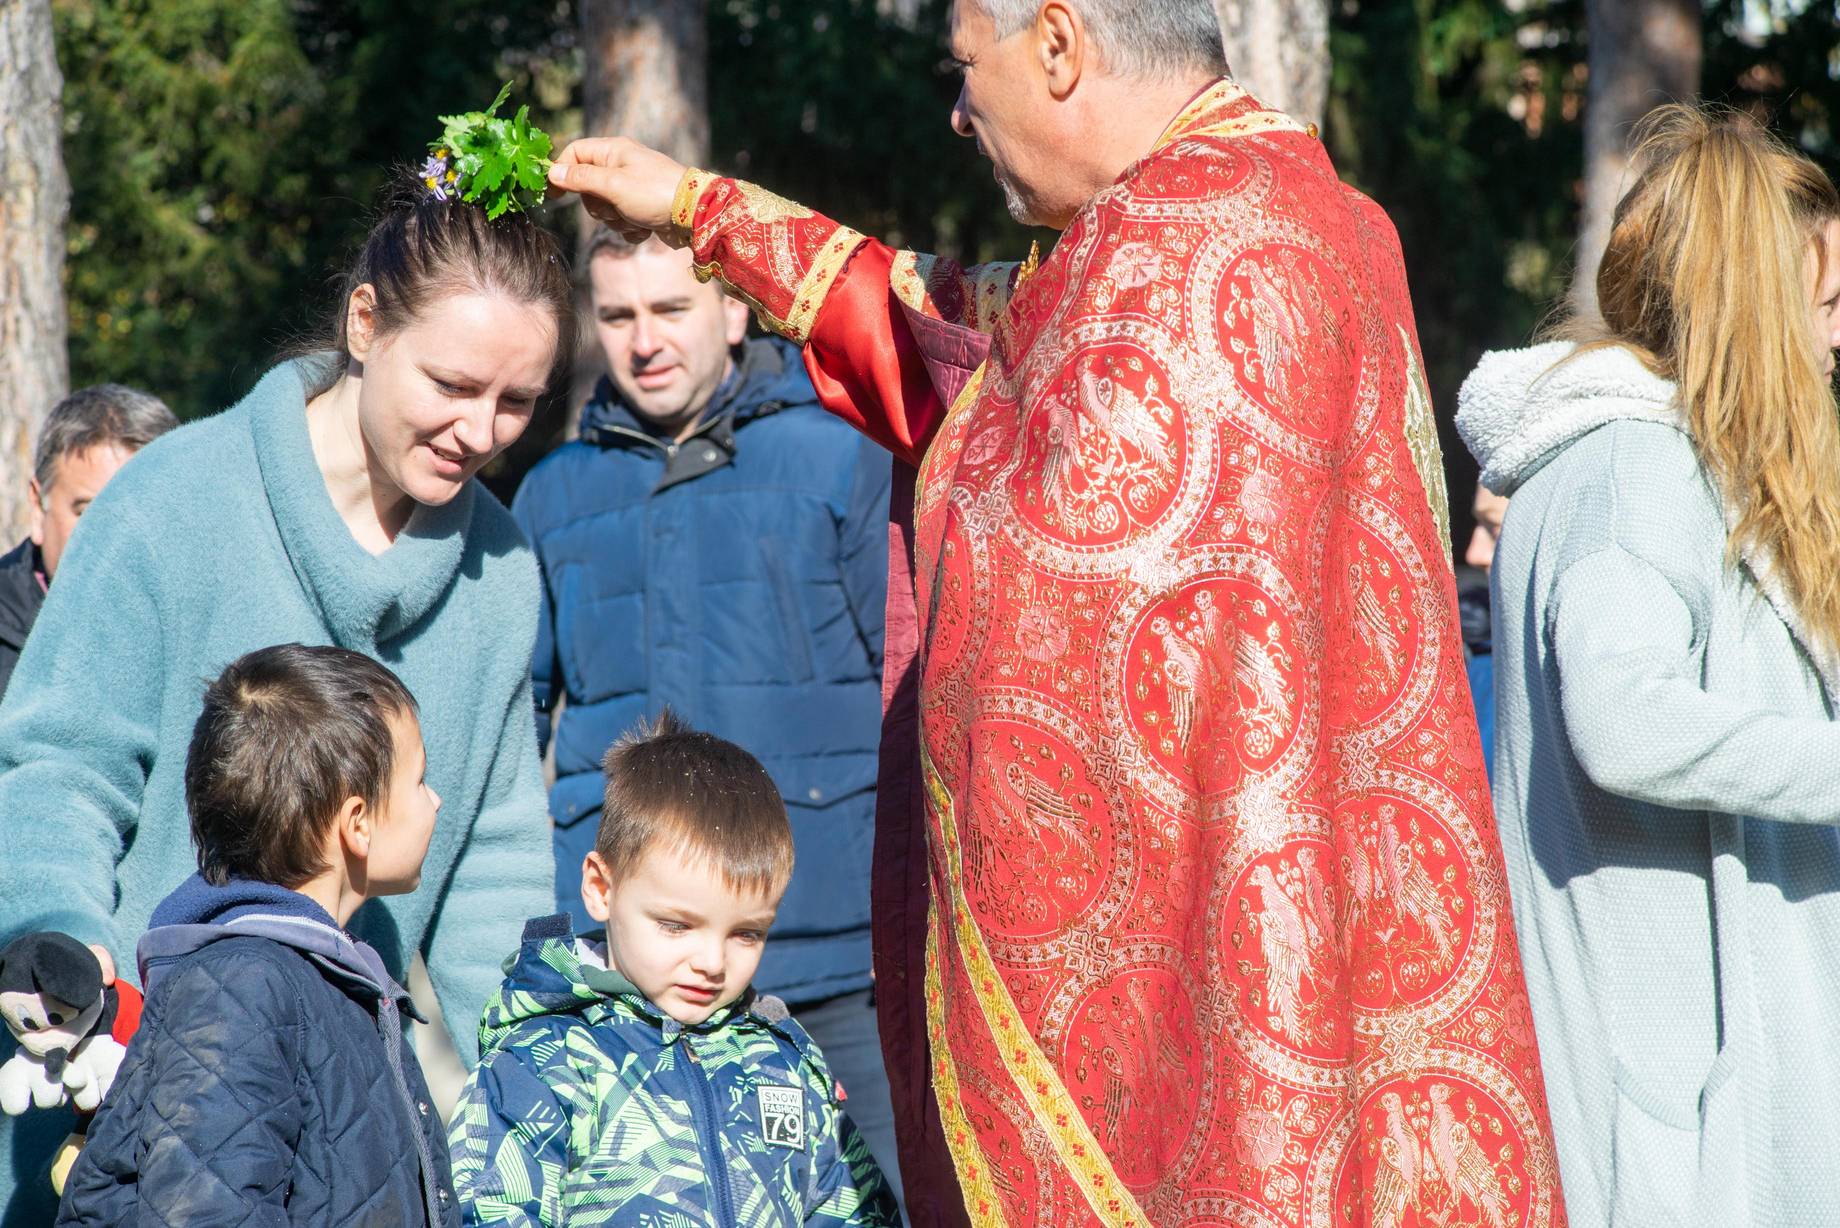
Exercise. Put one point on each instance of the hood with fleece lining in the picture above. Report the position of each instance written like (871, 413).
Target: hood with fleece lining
(1521, 408)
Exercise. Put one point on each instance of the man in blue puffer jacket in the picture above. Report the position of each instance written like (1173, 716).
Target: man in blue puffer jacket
(715, 543)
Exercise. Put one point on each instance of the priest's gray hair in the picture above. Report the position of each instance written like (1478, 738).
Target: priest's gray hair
(1135, 38)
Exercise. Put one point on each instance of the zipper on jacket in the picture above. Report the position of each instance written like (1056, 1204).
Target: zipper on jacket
(710, 1128)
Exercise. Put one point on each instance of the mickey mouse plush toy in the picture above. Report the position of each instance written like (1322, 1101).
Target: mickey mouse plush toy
(72, 1032)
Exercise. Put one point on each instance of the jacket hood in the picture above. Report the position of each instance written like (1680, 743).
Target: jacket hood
(1520, 408)
(768, 376)
(198, 914)
(556, 973)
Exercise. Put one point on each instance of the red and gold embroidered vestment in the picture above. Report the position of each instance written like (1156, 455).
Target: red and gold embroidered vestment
(1218, 927)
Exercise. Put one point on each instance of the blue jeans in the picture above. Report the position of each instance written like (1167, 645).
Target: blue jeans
(845, 1030)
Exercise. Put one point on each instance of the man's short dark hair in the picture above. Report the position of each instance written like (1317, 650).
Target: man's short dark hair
(94, 416)
(286, 735)
(605, 238)
(697, 795)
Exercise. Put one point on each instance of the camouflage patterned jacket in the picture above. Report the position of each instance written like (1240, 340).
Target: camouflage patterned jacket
(590, 1106)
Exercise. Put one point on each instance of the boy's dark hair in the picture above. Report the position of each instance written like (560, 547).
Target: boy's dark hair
(286, 735)
(699, 796)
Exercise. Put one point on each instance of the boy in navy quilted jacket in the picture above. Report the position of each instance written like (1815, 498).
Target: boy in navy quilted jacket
(638, 1080)
(270, 1082)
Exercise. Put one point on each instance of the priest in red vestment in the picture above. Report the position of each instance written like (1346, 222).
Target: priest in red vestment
(1205, 919)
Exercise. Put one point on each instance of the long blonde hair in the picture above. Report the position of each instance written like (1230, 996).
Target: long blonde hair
(1705, 278)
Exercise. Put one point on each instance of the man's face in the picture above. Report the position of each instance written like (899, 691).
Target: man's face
(688, 940)
(666, 335)
(1001, 105)
(77, 479)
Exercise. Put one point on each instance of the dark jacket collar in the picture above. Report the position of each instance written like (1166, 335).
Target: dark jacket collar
(20, 594)
(768, 376)
(198, 914)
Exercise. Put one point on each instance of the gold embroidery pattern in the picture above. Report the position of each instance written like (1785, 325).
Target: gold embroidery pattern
(769, 208)
(1422, 438)
(982, 1202)
(1035, 1077)
(816, 285)
(688, 196)
(909, 276)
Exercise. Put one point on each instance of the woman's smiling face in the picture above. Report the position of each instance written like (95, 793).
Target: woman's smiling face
(450, 390)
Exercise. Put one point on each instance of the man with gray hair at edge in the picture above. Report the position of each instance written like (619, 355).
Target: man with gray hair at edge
(86, 438)
(1190, 908)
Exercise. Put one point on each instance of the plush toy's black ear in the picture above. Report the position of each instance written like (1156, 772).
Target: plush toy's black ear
(15, 967)
(64, 968)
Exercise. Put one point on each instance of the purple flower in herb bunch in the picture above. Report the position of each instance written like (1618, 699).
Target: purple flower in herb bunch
(437, 176)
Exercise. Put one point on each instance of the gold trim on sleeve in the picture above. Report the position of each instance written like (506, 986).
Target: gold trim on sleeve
(911, 278)
(689, 194)
(815, 286)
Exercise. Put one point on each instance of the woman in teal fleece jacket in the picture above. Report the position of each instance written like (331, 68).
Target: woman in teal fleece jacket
(336, 505)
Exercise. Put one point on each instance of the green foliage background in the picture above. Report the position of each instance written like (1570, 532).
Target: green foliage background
(223, 152)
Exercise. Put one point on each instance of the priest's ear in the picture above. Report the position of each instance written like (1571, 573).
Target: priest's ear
(1062, 45)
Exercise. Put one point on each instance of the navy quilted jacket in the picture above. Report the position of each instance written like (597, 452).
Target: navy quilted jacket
(269, 1084)
(738, 577)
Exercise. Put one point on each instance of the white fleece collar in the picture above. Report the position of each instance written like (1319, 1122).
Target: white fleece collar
(1521, 408)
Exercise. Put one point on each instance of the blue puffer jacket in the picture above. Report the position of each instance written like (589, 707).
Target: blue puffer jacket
(738, 577)
(269, 1083)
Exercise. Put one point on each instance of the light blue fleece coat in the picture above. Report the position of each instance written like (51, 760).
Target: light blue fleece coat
(1667, 785)
(218, 539)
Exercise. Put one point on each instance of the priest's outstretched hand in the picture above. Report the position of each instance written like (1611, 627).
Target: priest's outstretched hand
(625, 184)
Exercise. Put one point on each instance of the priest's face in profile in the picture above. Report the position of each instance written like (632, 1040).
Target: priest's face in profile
(1005, 105)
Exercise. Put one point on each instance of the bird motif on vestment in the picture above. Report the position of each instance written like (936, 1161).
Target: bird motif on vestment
(1030, 802)
(1278, 324)
(1460, 1160)
(1184, 675)
(1401, 1163)
(1110, 405)
(1316, 914)
(1413, 891)
(1286, 947)
(1138, 1055)
(1371, 623)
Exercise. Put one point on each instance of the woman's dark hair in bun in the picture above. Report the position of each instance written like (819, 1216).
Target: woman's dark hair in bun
(423, 246)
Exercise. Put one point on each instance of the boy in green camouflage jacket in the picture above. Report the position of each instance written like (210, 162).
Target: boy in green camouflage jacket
(640, 1082)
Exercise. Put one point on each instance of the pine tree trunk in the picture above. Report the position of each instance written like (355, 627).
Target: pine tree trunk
(1279, 49)
(645, 75)
(1641, 53)
(34, 205)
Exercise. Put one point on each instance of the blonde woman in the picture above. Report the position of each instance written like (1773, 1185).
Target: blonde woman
(1667, 769)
